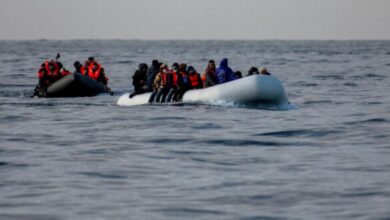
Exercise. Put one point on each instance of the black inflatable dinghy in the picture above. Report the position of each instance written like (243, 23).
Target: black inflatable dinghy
(73, 85)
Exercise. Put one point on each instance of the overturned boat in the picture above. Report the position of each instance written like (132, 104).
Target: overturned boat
(73, 85)
(265, 90)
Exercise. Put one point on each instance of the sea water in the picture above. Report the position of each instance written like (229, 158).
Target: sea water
(87, 158)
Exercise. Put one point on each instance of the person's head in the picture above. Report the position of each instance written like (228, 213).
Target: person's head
(183, 67)
(164, 68)
(211, 64)
(191, 70)
(238, 74)
(264, 71)
(253, 70)
(143, 67)
(175, 66)
(52, 67)
(91, 59)
(95, 66)
(155, 63)
(77, 65)
(224, 62)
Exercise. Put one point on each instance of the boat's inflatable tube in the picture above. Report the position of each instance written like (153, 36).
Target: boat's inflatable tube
(256, 89)
(75, 85)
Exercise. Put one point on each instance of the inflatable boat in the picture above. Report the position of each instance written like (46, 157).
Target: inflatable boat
(73, 85)
(253, 90)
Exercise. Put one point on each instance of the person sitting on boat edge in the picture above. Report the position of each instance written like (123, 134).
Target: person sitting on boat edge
(264, 71)
(139, 80)
(195, 80)
(151, 75)
(208, 77)
(182, 84)
(171, 83)
(159, 88)
(224, 73)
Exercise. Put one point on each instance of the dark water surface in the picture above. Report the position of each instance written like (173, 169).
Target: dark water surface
(87, 158)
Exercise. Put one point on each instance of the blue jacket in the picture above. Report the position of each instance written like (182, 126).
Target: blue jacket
(224, 73)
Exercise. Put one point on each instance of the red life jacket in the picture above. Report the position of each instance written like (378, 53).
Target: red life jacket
(174, 74)
(164, 78)
(94, 74)
(46, 68)
(82, 70)
(194, 79)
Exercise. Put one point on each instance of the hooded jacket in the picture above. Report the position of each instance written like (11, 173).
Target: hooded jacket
(224, 73)
(139, 77)
(152, 72)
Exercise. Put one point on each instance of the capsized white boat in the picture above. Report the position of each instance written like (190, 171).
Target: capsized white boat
(252, 90)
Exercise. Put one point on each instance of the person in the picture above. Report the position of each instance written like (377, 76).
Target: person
(78, 68)
(264, 71)
(195, 80)
(159, 88)
(96, 71)
(252, 71)
(171, 83)
(208, 77)
(238, 74)
(151, 75)
(139, 80)
(183, 83)
(49, 73)
(224, 73)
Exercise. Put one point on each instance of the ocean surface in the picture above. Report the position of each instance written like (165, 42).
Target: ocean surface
(87, 158)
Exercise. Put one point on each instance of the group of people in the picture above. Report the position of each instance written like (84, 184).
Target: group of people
(170, 84)
(53, 70)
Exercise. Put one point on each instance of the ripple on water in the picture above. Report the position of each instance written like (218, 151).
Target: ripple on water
(300, 133)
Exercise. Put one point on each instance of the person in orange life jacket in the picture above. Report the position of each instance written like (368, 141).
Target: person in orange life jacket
(171, 83)
(208, 77)
(139, 80)
(96, 72)
(264, 71)
(183, 83)
(159, 84)
(195, 80)
(49, 72)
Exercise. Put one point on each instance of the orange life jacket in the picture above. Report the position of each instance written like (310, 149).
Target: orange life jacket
(94, 74)
(194, 79)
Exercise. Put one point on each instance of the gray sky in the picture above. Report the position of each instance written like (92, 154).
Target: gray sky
(195, 19)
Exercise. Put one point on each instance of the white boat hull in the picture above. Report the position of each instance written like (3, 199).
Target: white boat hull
(256, 89)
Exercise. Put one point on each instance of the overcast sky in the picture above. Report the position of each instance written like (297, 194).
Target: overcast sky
(195, 19)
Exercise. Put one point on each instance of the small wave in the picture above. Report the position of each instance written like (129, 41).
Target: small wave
(368, 121)
(207, 126)
(188, 212)
(102, 175)
(351, 84)
(124, 62)
(318, 102)
(245, 143)
(28, 217)
(330, 76)
(299, 133)
(373, 75)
